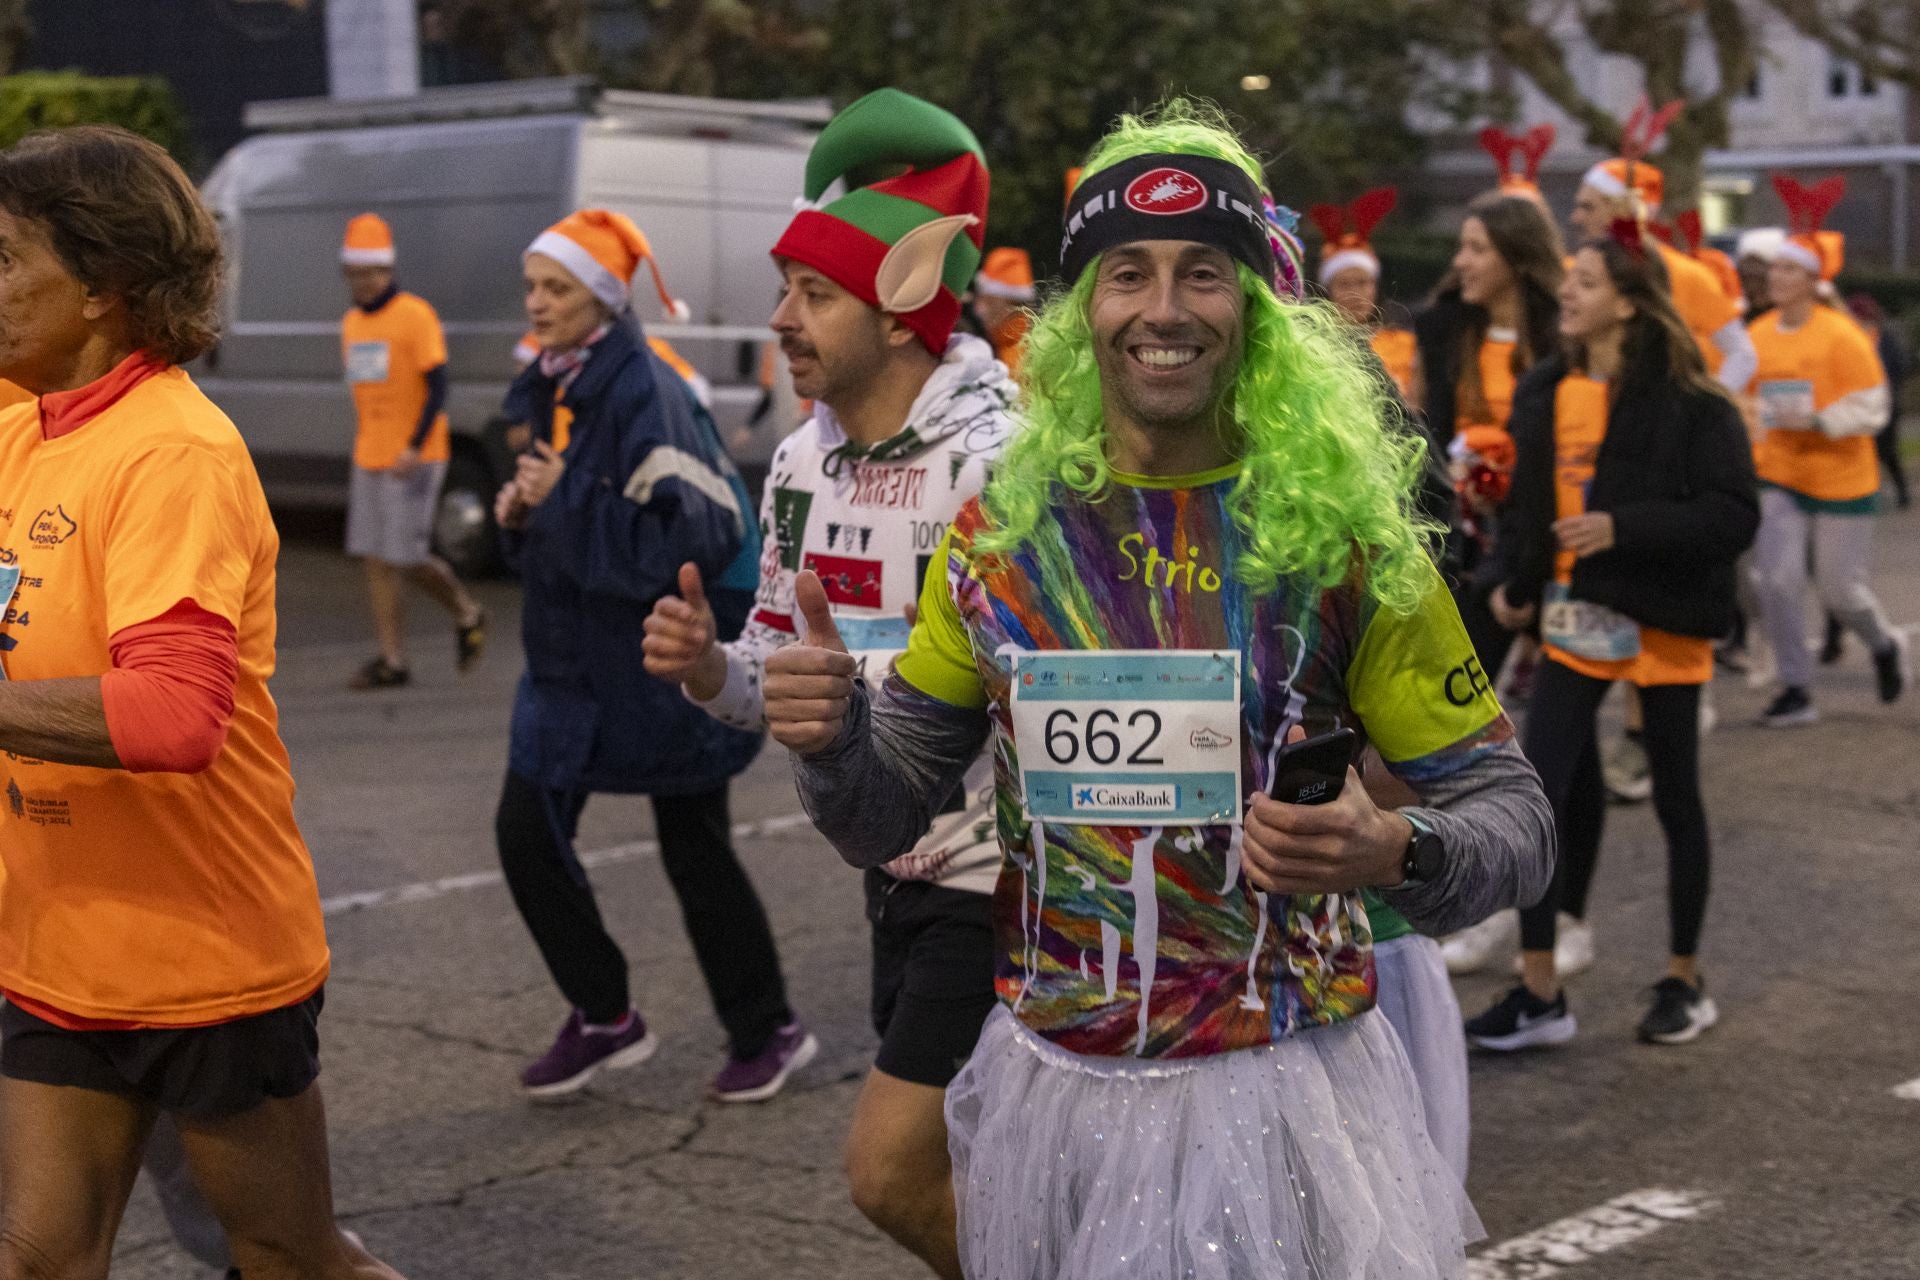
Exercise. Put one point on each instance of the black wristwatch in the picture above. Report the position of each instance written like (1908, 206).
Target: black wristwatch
(1426, 856)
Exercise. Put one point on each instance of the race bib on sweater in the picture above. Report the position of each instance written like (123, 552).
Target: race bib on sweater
(1786, 402)
(368, 361)
(1587, 630)
(1113, 737)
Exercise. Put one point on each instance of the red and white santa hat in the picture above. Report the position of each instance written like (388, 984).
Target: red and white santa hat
(603, 250)
(1006, 273)
(1809, 244)
(369, 242)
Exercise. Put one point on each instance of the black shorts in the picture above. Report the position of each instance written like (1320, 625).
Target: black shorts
(220, 1070)
(932, 976)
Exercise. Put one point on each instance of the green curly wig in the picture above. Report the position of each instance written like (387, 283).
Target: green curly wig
(1324, 481)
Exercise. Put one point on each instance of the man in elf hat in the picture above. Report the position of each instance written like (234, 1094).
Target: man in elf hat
(1822, 395)
(909, 417)
(626, 481)
(1629, 187)
(396, 362)
(1197, 546)
(1002, 292)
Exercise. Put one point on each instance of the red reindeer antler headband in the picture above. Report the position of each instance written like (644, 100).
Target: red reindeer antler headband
(1808, 244)
(1346, 228)
(1531, 146)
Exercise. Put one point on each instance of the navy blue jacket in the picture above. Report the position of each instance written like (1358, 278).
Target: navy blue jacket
(647, 487)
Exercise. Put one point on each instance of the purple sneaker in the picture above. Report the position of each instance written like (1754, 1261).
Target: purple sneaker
(759, 1078)
(580, 1051)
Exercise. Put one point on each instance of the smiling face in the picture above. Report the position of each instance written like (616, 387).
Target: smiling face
(562, 312)
(1592, 310)
(45, 313)
(1484, 274)
(1167, 318)
(835, 344)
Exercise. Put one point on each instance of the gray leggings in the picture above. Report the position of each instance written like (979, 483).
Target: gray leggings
(1842, 558)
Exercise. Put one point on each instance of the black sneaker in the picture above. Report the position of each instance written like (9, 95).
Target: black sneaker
(1792, 707)
(1835, 641)
(1680, 1012)
(1522, 1020)
(379, 674)
(1893, 666)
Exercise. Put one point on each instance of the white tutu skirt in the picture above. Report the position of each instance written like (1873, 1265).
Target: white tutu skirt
(1304, 1160)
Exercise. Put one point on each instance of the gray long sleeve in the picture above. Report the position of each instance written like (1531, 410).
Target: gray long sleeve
(897, 761)
(1498, 831)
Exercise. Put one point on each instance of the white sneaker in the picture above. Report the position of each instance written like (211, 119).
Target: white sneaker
(1572, 947)
(1628, 776)
(1475, 947)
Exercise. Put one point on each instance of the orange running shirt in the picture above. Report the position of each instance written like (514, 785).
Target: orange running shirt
(388, 354)
(157, 899)
(12, 394)
(1396, 351)
(1579, 425)
(1701, 302)
(1827, 358)
(1496, 384)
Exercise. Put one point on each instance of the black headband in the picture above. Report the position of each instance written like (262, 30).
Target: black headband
(1166, 197)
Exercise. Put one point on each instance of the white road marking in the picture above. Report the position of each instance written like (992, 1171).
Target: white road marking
(1586, 1236)
(1910, 1090)
(427, 890)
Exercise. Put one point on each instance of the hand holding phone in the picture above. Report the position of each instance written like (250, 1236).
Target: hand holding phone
(1313, 770)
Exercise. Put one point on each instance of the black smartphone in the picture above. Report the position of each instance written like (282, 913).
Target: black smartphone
(1313, 770)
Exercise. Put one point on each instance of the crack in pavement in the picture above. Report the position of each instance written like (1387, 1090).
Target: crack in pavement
(429, 1033)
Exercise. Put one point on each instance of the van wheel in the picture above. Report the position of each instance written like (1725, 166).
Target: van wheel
(463, 531)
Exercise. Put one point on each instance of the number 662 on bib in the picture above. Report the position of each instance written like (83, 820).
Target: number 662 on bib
(1129, 736)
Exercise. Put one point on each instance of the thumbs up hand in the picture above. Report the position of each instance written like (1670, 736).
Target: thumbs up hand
(809, 684)
(681, 640)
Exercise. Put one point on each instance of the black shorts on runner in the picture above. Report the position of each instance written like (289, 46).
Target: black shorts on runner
(932, 976)
(207, 1072)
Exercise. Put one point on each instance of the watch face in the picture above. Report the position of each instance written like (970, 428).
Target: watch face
(1426, 857)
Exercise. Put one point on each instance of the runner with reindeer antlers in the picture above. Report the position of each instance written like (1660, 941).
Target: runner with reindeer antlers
(1821, 395)
(1350, 273)
(1529, 148)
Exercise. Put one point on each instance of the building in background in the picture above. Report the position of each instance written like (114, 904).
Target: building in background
(1804, 112)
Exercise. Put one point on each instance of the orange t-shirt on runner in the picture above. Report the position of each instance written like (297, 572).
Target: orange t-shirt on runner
(152, 899)
(1580, 410)
(12, 394)
(1395, 348)
(1824, 360)
(1701, 302)
(388, 354)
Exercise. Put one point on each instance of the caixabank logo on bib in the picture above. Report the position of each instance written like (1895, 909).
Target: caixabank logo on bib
(1158, 797)
(1165, 191)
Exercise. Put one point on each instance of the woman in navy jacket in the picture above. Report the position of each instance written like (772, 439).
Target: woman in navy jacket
(626, 481)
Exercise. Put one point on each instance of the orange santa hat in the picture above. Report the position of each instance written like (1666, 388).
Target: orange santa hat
(369, 242)
(1346, 228)
(1006, 273)
(603, 250)
(1629, 173)
(1808, 244)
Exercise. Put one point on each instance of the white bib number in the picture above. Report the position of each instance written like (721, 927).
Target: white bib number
(1786, 402)
(368, 361)
(1587, 630)
(1118, 737)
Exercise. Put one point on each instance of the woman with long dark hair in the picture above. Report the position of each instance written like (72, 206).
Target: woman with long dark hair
(1633, 495)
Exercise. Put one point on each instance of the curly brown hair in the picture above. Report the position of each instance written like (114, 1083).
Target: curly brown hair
(124, 221)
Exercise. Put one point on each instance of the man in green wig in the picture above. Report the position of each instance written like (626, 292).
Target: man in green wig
(1197, 549)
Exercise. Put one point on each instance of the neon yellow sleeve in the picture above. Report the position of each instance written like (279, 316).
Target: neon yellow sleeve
(939, 657)
(1420, 691)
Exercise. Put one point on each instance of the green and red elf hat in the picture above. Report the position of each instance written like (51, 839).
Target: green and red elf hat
(895, 242)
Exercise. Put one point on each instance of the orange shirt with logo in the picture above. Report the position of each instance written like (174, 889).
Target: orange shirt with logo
(1395, 347)
(1580, 410)
(388, 354)
(1701, 302)
(153, 899)
(1824, 360)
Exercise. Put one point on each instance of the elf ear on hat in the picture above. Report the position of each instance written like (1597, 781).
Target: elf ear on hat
(1807, 244)
(603, 249)
(1007, 273)
(896, 243)
(1346, 228)
(1529, 148)
(1629, 173)
(369, 242)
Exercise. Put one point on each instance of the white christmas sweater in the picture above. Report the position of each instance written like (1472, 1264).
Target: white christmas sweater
(868, 521)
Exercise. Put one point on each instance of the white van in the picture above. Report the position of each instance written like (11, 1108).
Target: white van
(467, 176)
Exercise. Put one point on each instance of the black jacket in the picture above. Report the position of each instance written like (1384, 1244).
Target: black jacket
(1676, 474)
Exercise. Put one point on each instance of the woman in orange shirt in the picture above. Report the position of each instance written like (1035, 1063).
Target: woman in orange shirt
(1633, 497)
(161, 944)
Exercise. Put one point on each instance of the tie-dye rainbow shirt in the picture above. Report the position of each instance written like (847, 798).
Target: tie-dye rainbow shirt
(1147, 940)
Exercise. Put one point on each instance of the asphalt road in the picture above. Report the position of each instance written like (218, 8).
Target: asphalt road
(1776, 1146)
